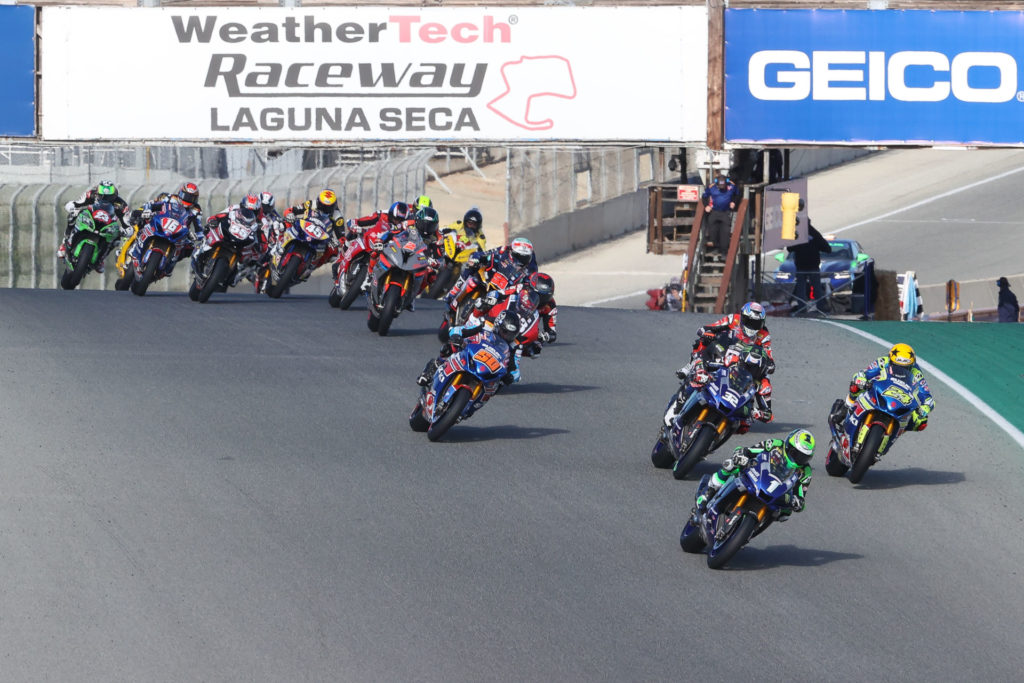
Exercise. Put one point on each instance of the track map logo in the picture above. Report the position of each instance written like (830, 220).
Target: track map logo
(428, 94)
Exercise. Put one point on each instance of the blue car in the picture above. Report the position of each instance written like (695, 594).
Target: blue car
(837, 269)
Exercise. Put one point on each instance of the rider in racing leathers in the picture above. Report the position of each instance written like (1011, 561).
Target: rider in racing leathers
(104, 192)
(518, 255)
(506, 327)
(748, 327)
(901, 364)
(796, 450)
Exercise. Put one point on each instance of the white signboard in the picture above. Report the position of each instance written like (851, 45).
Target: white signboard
(375, 73)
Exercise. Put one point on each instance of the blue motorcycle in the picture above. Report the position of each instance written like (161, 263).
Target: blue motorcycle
(461, 385)
(712, 410)
(881, 413)
(744, 507)
(155, 250)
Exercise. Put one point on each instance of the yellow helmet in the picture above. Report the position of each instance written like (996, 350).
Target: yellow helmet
(327, 201)
(902, 354)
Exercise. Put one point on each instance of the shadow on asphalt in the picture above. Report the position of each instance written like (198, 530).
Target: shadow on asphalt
(546, 388)
(752, 558)
(910, 476)
(469, 434)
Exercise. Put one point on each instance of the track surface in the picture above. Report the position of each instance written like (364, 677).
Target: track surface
(231, 491)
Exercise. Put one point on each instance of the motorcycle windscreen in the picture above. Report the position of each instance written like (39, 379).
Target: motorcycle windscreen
(769, 479)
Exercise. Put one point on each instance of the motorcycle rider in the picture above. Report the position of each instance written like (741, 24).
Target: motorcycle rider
(248, 212)
(796, 451)
(470, 229)
(518, 255)
(901, 364)
(506, 328)
(747, 327)
(326, 206)
(544, 285)
(104, 193)
(173, 205)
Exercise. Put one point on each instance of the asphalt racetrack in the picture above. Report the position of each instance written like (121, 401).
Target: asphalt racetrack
(231, 491)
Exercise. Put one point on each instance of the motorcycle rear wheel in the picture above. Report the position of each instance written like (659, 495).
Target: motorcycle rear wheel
(691, 542)
(833, 465)
(451, 415)
(125, 281)
(417, 422)
(720, 553)
(695, 452)
(867, 453)
(661, 455)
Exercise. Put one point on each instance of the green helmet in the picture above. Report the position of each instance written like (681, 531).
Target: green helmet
(426, 222)
(423, 202)
(106, 192)
(800, 446)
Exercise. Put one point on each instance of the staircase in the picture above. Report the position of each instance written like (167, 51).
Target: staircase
(708, 281)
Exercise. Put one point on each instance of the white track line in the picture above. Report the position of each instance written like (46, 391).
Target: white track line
(591, 304)
(927, 200)
(985, 409)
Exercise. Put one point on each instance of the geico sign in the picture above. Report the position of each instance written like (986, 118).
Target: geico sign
(833, 75)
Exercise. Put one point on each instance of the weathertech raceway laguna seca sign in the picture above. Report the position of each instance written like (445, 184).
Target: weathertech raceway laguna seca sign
(377, 73)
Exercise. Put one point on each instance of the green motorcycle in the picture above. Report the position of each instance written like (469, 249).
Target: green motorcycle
(96, 229)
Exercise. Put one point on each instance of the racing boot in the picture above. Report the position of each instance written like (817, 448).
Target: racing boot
(837, 415)
(428, 372)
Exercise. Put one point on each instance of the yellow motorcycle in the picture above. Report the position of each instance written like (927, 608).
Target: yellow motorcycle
(456, 250)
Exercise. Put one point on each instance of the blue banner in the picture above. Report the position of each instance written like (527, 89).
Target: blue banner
(18, 57)
(874, 76)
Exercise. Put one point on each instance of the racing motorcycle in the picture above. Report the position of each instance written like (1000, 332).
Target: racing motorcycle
(397, 276)
(293, 258)
(876, 420)
(455, 251)
(713, 408)
(744, 507)
(155, 250)
(348, 282)
(222, 259)
(503, 280)
(461, 385)
(96, 227)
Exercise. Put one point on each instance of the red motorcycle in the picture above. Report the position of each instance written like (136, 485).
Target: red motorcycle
(353, 265)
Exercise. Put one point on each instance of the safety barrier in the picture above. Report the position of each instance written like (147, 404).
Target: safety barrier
(33, 220)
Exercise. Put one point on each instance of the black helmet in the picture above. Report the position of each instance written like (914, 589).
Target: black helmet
(426, 222)
(506, 326)
(544, 286)
(473, 221)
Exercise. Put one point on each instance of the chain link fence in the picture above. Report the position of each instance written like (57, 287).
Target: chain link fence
(545, 182)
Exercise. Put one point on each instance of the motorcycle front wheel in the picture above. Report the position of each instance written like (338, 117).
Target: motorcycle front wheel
(354, 286)
(388, 310)
(287, 278)
(451, 415)
(148, 275)
(722, 552)
(695, 452)
(74, 278)
(417, 422)
(867, 453)
(218, 274)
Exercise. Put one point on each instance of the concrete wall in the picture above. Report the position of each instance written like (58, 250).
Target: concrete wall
(574, 231)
